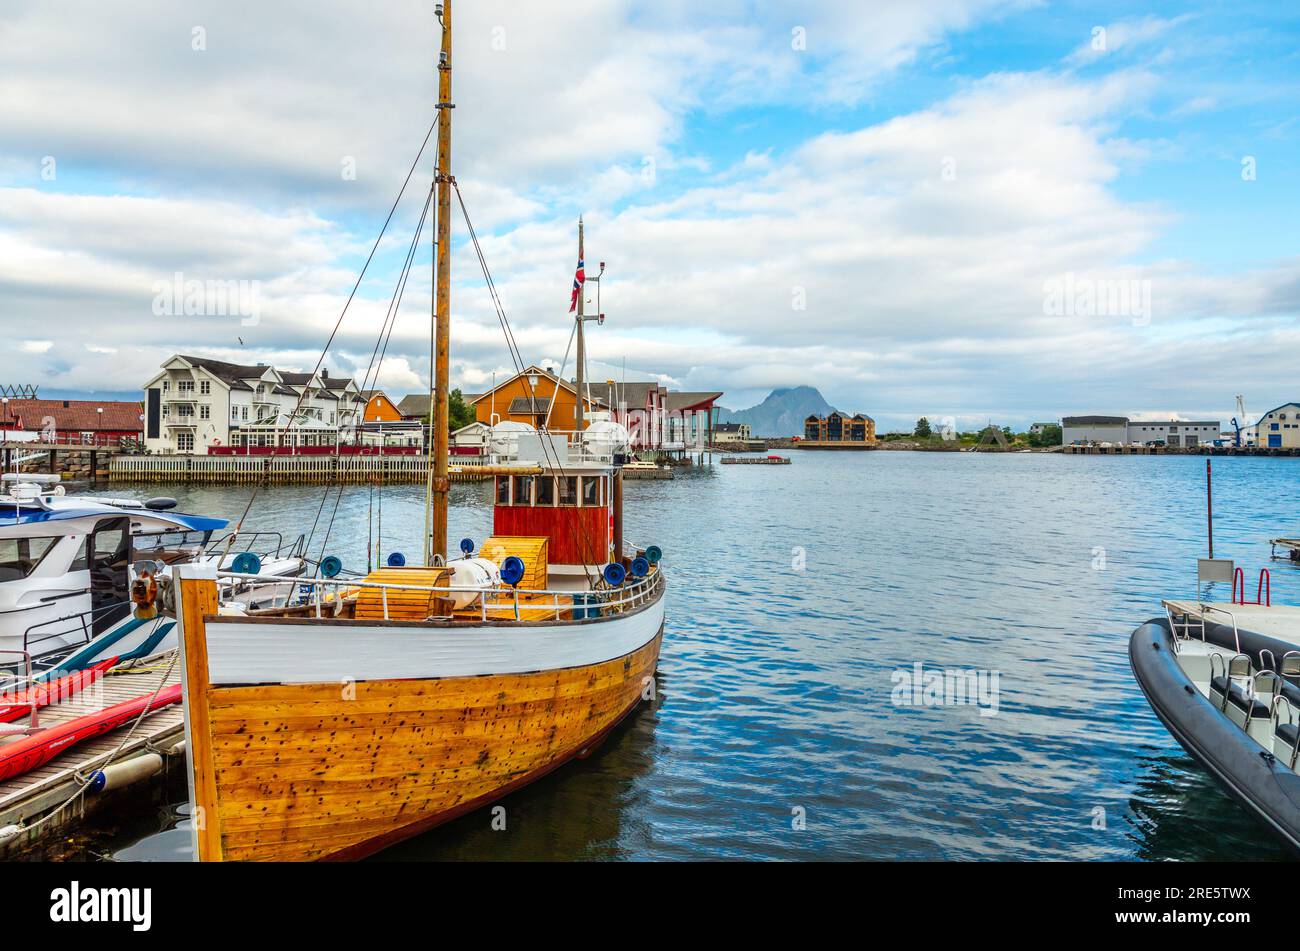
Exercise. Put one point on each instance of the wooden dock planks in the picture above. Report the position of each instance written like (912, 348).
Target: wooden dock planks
(27, 797)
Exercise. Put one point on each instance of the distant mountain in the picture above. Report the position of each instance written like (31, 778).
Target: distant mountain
(782, 413)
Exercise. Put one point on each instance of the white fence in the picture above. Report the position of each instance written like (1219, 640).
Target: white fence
(285, 470)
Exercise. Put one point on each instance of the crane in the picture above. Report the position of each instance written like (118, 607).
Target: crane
(1239, 420)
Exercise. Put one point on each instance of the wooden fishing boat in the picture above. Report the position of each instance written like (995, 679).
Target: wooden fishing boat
(382, 707)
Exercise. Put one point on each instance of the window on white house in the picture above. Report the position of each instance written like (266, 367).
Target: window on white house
(185, 442)
(205, 412)
(205, 387)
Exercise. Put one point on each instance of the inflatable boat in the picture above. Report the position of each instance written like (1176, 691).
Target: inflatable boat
(1231, 696)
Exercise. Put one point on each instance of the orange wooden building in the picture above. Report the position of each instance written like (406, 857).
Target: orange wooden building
(527, 397)
(379, 408)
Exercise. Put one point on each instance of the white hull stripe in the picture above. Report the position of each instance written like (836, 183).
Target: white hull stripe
(269, 653)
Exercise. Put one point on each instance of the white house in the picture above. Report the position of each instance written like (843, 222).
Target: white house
(196, 403)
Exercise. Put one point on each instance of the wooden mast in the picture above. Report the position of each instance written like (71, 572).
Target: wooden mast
(578, 414)
(437, 542)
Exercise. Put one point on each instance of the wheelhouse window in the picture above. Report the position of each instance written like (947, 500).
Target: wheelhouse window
(568, 486)
(591, 490)
(523, 488)
(20, 556)
(503, 490)
(545, 491)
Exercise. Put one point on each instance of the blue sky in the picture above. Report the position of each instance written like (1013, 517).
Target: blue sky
(878, 201)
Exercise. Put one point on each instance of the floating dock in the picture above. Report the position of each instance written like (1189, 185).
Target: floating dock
(756, 461)
(37, 802)
(636, 472)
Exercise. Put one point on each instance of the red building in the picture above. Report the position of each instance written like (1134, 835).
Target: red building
(81, 422)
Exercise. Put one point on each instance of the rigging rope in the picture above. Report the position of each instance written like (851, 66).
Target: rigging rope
(517, 358)
(390, 320)
(338, 323)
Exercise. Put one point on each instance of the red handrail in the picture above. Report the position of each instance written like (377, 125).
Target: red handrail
(1263, 592)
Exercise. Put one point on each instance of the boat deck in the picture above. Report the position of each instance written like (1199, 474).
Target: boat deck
(26, 798)
(1280, 620)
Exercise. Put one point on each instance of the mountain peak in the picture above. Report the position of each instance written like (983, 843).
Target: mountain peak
(782, 412)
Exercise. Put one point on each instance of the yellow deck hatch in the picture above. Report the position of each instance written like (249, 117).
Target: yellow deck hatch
(532, 549)
(404, 605)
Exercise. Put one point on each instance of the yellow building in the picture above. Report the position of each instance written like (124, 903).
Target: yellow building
(839, 431)
(1279, 428)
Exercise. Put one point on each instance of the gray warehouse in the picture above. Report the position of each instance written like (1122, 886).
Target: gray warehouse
(1120, 430)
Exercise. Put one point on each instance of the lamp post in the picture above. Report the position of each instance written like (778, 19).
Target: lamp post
(538, 417)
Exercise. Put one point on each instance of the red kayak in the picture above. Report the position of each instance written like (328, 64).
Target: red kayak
(40, 748)
(15, 706)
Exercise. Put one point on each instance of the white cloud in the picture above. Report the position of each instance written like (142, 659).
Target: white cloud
(918, 244)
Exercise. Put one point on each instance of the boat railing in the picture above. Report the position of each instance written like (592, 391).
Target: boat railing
(83, 623)
(1275, 717)
(26, 681)
(522, 603)
(1236, 633)
(294, 549)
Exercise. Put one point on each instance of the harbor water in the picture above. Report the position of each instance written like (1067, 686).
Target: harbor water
(801, 597)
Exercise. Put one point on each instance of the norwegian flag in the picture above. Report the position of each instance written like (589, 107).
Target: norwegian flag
(579, 278)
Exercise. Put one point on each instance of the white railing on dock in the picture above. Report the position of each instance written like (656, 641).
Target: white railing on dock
(302, 470)
(490, 601)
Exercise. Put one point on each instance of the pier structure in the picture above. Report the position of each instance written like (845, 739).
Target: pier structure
(36, 805)
(298, 470)
(69, 459)
(1201, 450)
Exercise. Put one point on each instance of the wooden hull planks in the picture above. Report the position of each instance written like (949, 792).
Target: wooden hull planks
(316, 786)
(338, 769)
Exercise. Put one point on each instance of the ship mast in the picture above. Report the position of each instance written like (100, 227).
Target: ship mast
(582, 350)
(439, 482)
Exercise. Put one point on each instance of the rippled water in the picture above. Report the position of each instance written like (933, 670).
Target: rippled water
(796, 591)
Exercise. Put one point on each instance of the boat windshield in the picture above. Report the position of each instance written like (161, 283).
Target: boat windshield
(20, 556)
(169, 547)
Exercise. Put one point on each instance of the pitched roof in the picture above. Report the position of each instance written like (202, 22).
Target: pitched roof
(232, 374)
(678, 400)
(635, 394)
(551, 381)
(414, 405)
(1276, 408)
(78, 415)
